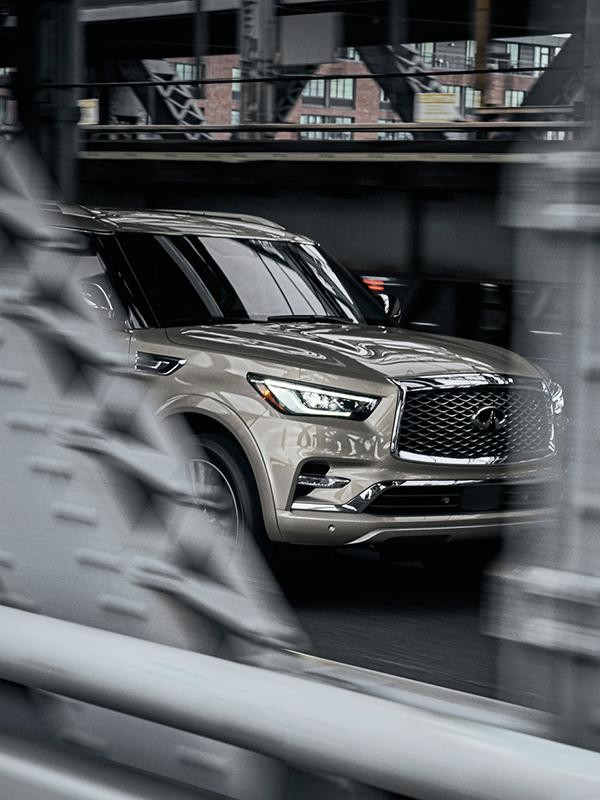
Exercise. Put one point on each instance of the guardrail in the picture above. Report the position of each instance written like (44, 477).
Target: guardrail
(305, 723)
(356, 127)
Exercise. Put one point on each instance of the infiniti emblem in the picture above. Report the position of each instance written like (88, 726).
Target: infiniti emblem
(489, 418)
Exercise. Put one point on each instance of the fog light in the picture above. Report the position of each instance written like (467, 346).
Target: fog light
(322, 481)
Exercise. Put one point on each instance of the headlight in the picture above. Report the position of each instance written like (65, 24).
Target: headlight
(558, 400)
(298, 398)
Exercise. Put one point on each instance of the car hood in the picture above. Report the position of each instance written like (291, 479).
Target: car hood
(353, 350)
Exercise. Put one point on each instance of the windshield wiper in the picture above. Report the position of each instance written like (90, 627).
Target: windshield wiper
(310, 318)
(223, 321)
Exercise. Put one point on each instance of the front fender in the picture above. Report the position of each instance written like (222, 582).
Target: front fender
(224, 416)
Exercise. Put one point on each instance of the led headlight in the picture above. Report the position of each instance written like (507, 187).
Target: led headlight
(298, 398)
(556, 394)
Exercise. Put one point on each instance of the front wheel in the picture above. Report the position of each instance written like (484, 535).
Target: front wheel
(225, 488)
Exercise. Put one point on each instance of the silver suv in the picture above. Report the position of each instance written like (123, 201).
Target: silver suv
(311, 412)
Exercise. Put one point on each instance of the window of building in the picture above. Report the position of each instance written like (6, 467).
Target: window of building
(318, 119)
(513, 97)
(236, 74)
(451, 89)
(311, 119)
(541, 56)
(513, 53)
(392, 136)
(185, 71)
(314, 92)
(470, 52)
(347, 135)
(235, 116)
(555, 136)
(348, 54)
(334, 92)
(384, 100)
(427, 51)
(341, 92)
(472, 97)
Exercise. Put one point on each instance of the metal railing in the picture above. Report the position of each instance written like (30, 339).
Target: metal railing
(352, 127)
(304, 723)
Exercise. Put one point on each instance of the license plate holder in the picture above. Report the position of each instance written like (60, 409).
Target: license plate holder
(483, 497)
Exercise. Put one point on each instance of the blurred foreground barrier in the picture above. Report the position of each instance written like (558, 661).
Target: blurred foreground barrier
(99, 524)
(30, 770)
(304, 723)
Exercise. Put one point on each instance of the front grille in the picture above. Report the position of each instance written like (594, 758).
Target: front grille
(439, 423)
(441, 500)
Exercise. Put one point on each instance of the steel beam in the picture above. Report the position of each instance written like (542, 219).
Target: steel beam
(49, 52)
(483, 10)
(561, 83)
(257, 57)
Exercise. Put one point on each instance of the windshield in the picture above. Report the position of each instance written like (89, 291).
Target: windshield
(192, 280)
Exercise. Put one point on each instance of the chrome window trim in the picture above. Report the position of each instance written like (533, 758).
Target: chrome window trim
(462, 381)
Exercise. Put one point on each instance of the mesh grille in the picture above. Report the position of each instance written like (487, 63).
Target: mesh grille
(438, 423)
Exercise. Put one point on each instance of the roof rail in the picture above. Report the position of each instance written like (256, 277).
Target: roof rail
(225, 215)
(74, 209)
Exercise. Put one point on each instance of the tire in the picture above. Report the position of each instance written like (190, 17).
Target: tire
(224, 483)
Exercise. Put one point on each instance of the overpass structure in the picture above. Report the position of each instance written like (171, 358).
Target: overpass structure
(188, 164)
(157, 28)
(123, 46)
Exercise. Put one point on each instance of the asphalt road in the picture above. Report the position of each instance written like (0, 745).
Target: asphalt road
(396, 618)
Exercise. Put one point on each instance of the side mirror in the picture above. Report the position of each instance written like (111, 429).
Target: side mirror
(96, 297)
(392, 307)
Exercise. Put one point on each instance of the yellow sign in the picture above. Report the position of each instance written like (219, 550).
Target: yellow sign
(89, 111)
(436, 107)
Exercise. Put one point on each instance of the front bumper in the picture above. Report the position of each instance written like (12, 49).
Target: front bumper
(339, 528)
(361, 521)
(359, 454)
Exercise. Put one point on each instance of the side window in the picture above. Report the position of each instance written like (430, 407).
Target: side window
(170, 294)
(135, 306)
(98, 291)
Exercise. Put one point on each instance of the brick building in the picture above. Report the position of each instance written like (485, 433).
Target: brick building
(335, 95)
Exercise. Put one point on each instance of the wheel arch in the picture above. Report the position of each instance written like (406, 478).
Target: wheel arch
(206, 415)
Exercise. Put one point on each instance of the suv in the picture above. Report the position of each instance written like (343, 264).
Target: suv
(315, 419)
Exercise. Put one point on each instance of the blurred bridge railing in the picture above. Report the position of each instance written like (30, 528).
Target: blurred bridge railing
(307, 724)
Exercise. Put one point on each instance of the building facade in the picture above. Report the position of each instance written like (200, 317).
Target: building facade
(338, 93)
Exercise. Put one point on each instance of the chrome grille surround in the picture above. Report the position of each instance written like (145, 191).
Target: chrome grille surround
(434, 415)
